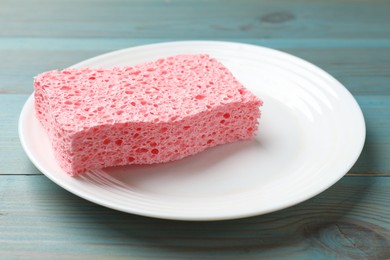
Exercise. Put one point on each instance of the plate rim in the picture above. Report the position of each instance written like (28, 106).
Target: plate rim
(237, 215)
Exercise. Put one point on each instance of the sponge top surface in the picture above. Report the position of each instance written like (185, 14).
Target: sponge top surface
(165, 90)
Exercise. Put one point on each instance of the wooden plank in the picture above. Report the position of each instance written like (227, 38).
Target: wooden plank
(108, 44)
(13, 159)
(375, 159)
(375, 156)
(348, 221)
(195, 19)
(363, 67)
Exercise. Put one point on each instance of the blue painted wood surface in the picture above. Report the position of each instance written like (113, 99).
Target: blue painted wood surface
(349, 39)
(348, 221)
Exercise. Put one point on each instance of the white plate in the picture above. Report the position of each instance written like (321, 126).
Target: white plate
(311, 133)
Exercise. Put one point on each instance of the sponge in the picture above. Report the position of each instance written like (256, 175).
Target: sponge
(154, 112)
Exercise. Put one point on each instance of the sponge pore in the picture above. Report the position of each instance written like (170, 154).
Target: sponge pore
(154, 112)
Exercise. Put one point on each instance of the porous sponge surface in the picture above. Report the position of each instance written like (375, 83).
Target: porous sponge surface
(150, 113)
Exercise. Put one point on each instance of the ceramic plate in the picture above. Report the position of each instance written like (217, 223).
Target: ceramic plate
(311, 133)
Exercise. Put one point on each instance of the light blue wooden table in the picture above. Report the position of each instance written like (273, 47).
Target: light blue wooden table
(349, 39)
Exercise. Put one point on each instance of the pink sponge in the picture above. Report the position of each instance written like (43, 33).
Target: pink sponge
(150, 113)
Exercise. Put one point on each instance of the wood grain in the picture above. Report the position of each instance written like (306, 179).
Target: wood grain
(348, 221)
(13, 160)
(375, 156)
(195, 19)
